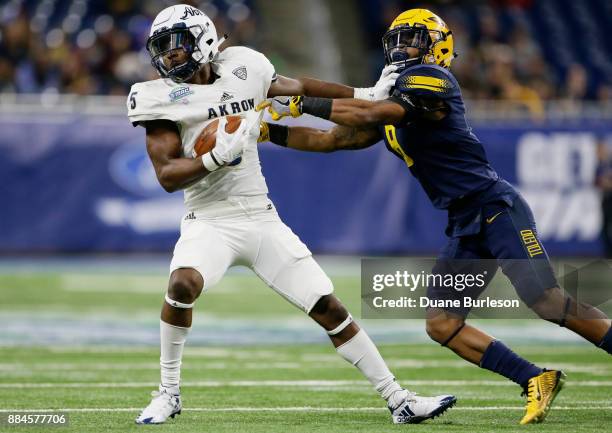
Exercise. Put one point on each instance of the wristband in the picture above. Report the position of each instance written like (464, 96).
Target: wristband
(278, 134)
(366, 93)
(319, 107)
(209, 161)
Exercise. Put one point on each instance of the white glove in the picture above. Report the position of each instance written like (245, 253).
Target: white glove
(382, 88)
(228, 147)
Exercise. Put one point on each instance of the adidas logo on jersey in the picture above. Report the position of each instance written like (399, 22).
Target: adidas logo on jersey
(226, 96)
(233, 108)
(190, 216)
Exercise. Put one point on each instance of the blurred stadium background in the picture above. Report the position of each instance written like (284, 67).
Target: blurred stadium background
(537, 76)
(86, 233)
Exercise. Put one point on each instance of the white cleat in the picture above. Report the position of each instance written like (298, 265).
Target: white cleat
(416, 409)
(162, 407)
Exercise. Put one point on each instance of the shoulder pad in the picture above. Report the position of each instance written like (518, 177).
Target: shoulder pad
(252, 59)
(237, 53)
(429, 81)
(252, 62)
(148, 101)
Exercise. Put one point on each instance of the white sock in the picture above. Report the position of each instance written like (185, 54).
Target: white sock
(363, 354)
(172, 339)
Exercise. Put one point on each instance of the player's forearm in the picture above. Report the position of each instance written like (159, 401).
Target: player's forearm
(179, 173)
(323, 89)
(310, 140)
(354, 112)
(298, 138)
(316, 140)
(285, 86)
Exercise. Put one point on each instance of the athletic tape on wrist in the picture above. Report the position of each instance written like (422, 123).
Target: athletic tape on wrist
(338, 329)
(177, 304)
(209, 161)
(364, 93)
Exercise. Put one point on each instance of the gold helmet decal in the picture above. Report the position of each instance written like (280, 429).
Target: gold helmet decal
(421, 29)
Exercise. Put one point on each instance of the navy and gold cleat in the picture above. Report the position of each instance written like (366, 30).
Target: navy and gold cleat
(541, 392)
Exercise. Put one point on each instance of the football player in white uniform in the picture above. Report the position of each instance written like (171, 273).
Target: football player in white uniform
(230, 220)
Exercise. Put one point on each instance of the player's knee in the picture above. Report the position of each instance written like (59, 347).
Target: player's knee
(553, 305)
(329, 310)
(185, 285)
(440, 330)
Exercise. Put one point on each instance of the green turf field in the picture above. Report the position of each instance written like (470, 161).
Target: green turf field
(293, 388)
(84, 341)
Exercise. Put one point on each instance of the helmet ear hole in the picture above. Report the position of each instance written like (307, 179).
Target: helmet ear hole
(209, 42)
(444, 50)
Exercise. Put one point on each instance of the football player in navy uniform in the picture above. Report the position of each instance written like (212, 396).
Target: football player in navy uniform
(423, 123)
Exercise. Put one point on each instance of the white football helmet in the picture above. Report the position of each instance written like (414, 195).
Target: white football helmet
(182, 27)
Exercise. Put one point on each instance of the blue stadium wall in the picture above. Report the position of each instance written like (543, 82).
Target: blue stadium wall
(72, 183)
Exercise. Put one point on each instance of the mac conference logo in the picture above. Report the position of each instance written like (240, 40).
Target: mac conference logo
(180, 93)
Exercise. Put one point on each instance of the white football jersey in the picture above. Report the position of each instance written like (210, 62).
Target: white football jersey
(245, 76)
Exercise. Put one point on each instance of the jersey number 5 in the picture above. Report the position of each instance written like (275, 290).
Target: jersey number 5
(133, 100)
(392, 140)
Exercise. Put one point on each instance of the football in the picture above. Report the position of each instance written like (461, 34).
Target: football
(208, 137)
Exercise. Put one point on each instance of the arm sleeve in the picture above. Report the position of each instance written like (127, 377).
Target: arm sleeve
(144, 104)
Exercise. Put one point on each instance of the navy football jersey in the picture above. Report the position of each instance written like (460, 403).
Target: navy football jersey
(444, 155)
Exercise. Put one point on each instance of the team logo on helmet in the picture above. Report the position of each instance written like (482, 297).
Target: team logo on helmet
(191, 12)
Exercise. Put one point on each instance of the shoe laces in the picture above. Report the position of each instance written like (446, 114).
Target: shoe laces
(528, 391)
(411, 396)
(160, 399)
(546, 381)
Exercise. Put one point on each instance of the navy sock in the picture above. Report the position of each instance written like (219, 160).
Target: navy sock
(500, 359)
(606, 342)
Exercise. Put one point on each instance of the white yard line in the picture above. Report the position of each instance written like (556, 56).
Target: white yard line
(283, 383)
(17, 368)
(289, 409)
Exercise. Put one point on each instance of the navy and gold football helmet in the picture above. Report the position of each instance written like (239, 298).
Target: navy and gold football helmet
(421, 29)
